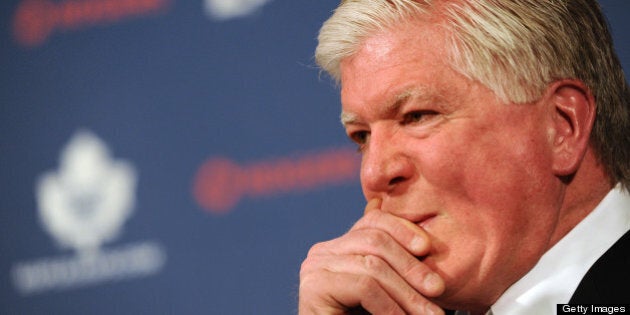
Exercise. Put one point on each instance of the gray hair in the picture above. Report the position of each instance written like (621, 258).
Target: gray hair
(516, 48)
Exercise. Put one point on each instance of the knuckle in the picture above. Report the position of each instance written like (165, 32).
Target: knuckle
(414, 270)
(312, 263)
(375, 239)
(417, 299)
(374, 264)
(316, 249)
(306, 267)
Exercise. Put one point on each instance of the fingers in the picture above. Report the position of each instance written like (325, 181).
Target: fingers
(368, 281)
(379, 254)
(409, 235)
(373, 266)
(346, 291)
(373, 204)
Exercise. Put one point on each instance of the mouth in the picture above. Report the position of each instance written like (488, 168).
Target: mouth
(425, 221)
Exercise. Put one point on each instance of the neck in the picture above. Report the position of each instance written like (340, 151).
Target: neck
(583, 193)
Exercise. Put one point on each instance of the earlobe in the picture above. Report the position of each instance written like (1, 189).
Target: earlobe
(574, 109)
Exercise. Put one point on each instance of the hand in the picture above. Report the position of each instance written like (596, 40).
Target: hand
(373, 267)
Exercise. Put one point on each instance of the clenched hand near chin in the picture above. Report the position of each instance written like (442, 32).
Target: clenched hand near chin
(373, 267)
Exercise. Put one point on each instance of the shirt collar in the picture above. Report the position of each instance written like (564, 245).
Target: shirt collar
(559, 271)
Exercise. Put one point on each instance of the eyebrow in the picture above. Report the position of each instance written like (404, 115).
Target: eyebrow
(348, 118)
(391, 106)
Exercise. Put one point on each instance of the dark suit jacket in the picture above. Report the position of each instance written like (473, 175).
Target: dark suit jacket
(608, 280)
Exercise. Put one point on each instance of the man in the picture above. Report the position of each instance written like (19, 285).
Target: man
(495, 159)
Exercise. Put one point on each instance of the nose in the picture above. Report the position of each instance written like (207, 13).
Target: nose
(385, 168)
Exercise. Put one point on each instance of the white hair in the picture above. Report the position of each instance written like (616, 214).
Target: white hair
(516, 48)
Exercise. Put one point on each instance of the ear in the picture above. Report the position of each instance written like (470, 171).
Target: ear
(573, 110)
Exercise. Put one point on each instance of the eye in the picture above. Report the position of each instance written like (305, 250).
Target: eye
(360, 138)
(418, 116)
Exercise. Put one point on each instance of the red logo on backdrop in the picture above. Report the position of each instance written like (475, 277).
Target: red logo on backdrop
(36, 20)
(221, 183)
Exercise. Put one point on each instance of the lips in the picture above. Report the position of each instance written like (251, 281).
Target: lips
(425, 220)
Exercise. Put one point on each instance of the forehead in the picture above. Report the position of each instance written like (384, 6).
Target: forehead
(413, 38)
(393, 62)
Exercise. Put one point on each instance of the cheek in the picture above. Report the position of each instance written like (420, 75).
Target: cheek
(488, 167)
(494, 191)
(490, 190)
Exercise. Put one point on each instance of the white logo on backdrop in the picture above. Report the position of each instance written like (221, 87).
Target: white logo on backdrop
(229, 9)
(87, 201)
(83, 205)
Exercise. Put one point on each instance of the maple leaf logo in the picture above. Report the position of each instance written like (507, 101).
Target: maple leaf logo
(86, 202)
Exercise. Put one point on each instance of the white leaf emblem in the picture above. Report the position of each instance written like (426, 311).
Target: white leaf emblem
(85, 203)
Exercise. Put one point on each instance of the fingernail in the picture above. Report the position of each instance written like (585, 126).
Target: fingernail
(433, 282)
(433, 309)
(418, 244)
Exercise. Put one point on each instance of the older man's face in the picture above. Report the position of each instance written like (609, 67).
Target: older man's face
(443, 152)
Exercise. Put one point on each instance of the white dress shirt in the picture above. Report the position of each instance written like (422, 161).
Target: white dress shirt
(556, 276)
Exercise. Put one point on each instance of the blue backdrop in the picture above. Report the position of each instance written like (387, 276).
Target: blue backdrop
(164, 156)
